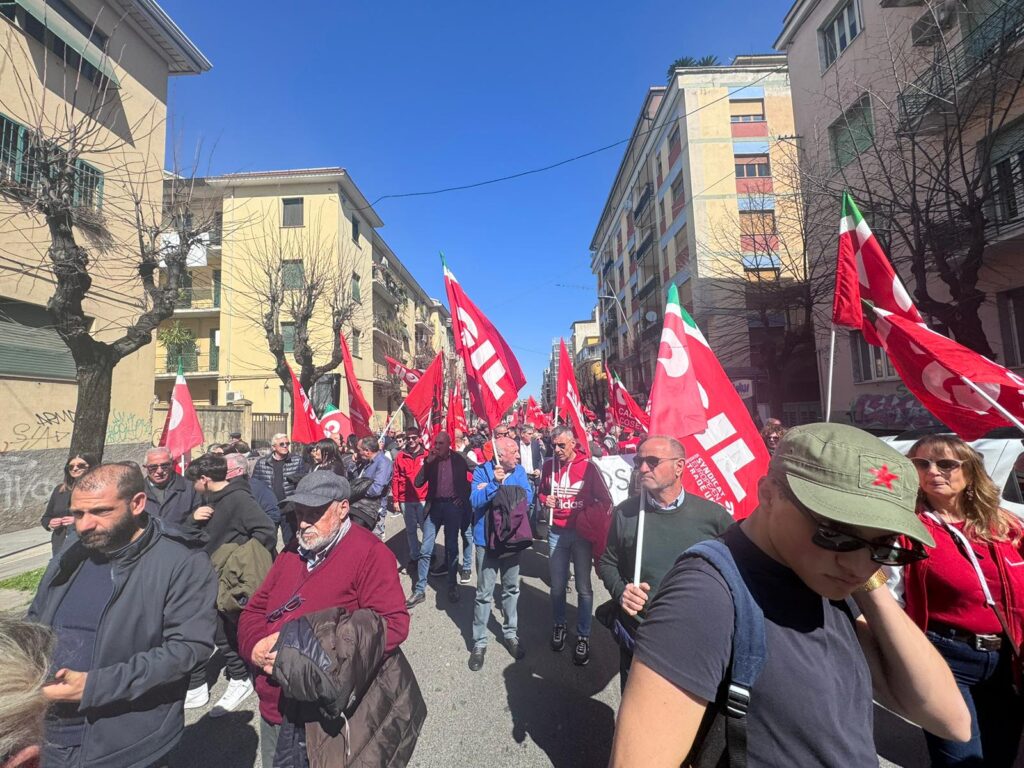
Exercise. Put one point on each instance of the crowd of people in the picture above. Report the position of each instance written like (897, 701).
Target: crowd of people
(863, 575)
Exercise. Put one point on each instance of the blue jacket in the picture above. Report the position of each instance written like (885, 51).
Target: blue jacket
(379, 471)
(480, 497)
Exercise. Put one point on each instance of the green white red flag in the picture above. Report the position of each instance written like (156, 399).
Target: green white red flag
(675, 403)
(623, 409)
(360, 412)
(567, 400)
(305, 425)
(182, 431)
(335, 422)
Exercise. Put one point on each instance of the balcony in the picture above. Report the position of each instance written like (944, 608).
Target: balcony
(197, 363)
(422, 318)
(385, 286)
(963, 62)
(649, 286)
(645, 197)
(645, 246)
(389, 328)
(381, 374)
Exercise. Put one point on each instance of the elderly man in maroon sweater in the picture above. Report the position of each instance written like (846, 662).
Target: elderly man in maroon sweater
(330, 563)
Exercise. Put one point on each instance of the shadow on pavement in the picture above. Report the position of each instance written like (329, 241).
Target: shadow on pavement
(550, 698)
(230, 741)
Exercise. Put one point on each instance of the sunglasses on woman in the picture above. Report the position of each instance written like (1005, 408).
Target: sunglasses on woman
(833, 539)
(943, 465)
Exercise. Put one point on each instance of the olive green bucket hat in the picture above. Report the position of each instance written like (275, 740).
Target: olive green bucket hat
(844, 474)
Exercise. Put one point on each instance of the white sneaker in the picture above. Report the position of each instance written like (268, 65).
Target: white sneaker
(197, 697)
(237, 692)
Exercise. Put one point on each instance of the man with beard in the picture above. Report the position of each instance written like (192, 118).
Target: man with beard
(122, 659)
(330, 564)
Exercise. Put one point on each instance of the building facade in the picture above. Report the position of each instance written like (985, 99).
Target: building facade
(696, 202)
(278, 233)
(102, 68)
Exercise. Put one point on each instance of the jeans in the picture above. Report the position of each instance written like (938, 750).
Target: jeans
(268, 742)
(454, 520)
(986, 681)
(467, 547)
(226, 639)
(412, 512)
(565, 544)
(487, 568)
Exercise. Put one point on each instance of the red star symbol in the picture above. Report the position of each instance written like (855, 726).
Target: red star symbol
(883, 476)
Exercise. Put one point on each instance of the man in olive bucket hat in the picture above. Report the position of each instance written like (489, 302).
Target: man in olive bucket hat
(786, 585)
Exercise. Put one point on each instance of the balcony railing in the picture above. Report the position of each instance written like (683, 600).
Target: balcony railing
(990, 38)
(643, 200)
(193, 361)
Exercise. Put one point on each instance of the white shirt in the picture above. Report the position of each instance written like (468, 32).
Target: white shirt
(526, 456)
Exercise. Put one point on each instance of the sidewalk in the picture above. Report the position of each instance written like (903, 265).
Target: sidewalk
(22, 551)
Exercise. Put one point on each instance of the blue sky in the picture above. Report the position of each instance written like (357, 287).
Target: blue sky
(418, 96)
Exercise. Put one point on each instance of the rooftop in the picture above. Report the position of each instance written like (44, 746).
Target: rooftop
(182, 55)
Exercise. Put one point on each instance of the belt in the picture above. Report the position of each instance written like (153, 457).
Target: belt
(977, 642)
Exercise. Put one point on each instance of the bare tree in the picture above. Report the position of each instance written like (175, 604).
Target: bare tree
(74, 178)
(301, 281)
(927, 152)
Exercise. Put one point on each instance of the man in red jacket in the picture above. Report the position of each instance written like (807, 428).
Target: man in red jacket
(405, 496)
(330, 563)
(570, 485)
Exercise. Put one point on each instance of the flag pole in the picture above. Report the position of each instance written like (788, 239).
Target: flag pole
(639, 536)
(390, 422)
(831, 366)
(992, 401)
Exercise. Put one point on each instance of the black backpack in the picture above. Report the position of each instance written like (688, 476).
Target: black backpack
(507, 521)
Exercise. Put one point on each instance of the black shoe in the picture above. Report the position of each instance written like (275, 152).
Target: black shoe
(453, 594)
(415, 599)
(581, 654)
(476, 658)
(465, 575)
(558, 637)
(515, 649)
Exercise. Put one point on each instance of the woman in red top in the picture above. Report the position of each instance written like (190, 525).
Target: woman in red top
(967, 596)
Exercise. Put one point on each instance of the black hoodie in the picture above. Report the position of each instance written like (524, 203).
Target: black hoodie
(237, 517)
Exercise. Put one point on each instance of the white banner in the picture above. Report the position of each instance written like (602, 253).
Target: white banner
(616, 471)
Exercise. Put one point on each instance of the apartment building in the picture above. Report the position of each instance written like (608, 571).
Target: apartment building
(695, 203)
(102, 66)
(296, 227)
(912, 82)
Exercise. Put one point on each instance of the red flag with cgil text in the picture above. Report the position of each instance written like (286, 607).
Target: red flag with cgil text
(493, 375)
(182, 431)
(409, 375)
(675, 403)
(359, 410)
(305, 425)
(623, 409)
(567, 400)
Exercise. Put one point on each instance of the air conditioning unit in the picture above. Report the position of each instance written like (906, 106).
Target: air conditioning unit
(231, 397)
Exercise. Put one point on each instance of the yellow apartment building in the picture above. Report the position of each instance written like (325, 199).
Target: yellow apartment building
(699, 200)
(57, 59)
(311, 221)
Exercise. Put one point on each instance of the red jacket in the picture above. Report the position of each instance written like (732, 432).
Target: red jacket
(360, 572)
(407, 466)
(578, 489)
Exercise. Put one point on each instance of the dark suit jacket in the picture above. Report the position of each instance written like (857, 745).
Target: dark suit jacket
(461, 478)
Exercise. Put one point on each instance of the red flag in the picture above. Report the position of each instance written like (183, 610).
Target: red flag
(931, 365)
(305, 425)
(335, 422)
(456, 418)
(359, 410)
(726, 460)
(409, 375)
(534, 415)
(623, 409)
(864, 272)
(588, 413)
(675, 403)
(567, 399)
(182, 431)
(493, 375)
(426, 400)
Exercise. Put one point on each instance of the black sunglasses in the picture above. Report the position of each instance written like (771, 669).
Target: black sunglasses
(164, 466)
(653, 461)
(835, 540)
(291, 605)
(944, 465)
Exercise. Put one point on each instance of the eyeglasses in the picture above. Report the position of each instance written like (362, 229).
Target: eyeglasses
(291, 605)
(884, 553)
(653, 461)
(283, 445)
(162, 467)
(77, 466)
(944, 465)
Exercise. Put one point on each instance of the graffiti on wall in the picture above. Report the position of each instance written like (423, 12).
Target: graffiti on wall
(52, 429)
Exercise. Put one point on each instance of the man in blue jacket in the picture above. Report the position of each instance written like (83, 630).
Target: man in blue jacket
(486, 480)
(133, 607)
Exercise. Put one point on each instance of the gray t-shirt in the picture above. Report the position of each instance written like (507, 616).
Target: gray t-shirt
(812, 704)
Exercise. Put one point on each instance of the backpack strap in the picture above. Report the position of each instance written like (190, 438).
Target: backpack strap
(748, 657)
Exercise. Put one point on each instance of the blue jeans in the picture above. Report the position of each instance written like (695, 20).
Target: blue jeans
(412, 511)
(487, 568)
(985, 680)
(467, 547)
(454, 519)
(565, 544)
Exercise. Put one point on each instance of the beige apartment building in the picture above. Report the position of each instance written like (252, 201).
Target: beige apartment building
(870, 77)
(697, 202)
(302, 225)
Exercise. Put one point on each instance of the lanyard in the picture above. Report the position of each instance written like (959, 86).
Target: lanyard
(969, 552)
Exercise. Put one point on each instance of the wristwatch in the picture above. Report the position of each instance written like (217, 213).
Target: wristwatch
(878, 579)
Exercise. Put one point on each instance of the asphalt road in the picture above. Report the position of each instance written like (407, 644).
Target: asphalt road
(540, 711)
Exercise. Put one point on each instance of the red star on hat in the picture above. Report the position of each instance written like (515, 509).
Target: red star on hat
(883, 476)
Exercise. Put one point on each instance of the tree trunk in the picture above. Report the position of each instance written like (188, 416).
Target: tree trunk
(92, 410)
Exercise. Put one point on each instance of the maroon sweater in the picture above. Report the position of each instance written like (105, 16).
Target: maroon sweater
(360, 572)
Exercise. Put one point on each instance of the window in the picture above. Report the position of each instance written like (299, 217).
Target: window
(8, 9)
(29, 344)
(88, 186)
(355, 229)
(1011, 323)
(870, 363)
(67, 52)
(852, 133)
(18, 163)
(752, 166)
(293, 275)
(757, 223)
(674, 147)
(837, 34)
(357, 294)
(356, 351)
(746, 111)
(292, 212)
(11, 144)
(288, 337)
(678, 195)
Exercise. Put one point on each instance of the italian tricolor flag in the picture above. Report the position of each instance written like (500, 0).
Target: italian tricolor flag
(181, 432)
